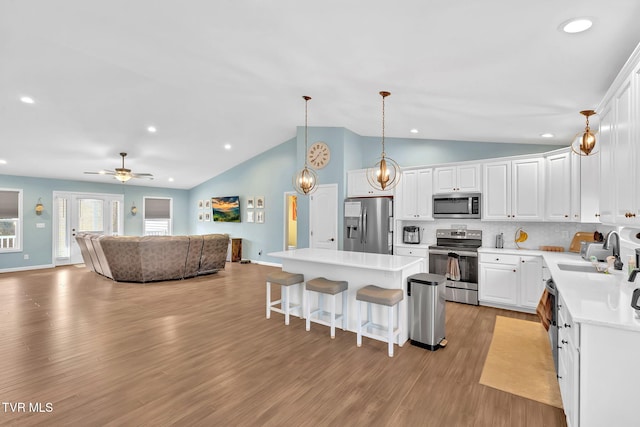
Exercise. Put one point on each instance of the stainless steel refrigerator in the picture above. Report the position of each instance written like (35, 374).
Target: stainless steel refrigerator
(368, 225)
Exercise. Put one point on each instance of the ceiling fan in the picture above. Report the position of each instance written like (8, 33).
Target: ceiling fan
(122, 174)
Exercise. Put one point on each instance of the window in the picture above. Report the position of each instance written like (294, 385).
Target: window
(157, 216)
(10, 220)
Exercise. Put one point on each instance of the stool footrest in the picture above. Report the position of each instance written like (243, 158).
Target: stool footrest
(378, 337)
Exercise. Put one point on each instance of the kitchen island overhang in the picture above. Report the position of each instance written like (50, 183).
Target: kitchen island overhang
(359, 269)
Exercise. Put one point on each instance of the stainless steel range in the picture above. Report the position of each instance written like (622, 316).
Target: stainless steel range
(455, 256)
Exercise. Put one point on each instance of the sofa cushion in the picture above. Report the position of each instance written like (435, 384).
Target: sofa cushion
(194, 253)
(214, 253)
(163, 257)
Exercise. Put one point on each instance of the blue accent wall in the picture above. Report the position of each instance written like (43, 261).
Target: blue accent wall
(268, 174)
(38, 242)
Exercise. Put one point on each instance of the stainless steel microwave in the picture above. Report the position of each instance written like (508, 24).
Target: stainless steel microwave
(456, 205)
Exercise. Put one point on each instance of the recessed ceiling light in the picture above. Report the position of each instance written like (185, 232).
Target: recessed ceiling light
(414, 131)
(576, 25)
(152, 129)
(3, 162)
(27, 100)
(547, 135)
(227, 146)
(170, 179)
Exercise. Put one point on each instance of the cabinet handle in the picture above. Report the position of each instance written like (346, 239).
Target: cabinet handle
(522, 261)
(565, 342)
(597, 215)
(566, 325)
(559, 377)
(559, 305)
(497, 259)
(514, 270)
(567, 216)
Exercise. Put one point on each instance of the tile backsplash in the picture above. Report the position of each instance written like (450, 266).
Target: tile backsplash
(540, 233)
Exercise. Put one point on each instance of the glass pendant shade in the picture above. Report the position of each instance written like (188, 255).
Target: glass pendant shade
(584, 143)
(385, 174)
(305, 181)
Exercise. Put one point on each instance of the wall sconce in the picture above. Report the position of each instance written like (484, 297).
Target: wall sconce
(134, 210)
(39, 206)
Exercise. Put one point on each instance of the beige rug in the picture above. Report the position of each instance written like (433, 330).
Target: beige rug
(520, 361)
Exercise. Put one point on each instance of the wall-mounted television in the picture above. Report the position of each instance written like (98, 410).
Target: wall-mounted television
(226, 209)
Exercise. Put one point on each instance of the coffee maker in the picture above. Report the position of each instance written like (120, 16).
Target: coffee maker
(411, 235)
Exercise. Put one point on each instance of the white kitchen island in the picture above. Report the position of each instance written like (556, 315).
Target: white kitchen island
(359, 269)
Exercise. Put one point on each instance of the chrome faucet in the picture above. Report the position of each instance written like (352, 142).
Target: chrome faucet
(615, 248)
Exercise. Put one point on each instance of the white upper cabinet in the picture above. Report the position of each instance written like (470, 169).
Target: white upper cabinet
(585, 188)
(414, 195)
(558, 194)
(358, 185)
(459, 178)
(618, 136)
(513, 190)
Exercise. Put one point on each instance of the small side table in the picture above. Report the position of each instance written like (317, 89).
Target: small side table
(234, 253)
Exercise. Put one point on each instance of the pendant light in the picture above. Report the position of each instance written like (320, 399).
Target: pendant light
(585, 142)
(385, 174)
(305, 180)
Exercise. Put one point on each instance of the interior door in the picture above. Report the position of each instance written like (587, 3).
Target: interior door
(323, 217)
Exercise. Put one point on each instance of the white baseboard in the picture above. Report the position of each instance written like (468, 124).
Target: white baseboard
(27, 268)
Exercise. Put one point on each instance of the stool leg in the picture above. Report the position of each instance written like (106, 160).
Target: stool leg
(344, 311)
(302, 302)
(359, 333)
(268, 300)
(390, 331)
(286, 303)
(400, 328)
(333, 317)
(306, 292)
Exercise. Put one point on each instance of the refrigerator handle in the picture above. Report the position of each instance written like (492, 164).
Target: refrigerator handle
(364, 225)
(360, 225)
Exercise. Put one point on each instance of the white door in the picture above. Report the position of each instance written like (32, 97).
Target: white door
(323, 217)
(75, 213)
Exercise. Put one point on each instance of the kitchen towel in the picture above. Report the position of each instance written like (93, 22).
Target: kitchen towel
(544, 310)
(453, 266)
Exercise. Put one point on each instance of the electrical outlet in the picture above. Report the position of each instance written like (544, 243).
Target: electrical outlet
(26, 256)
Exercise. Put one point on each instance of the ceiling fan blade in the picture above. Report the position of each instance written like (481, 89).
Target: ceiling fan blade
(142, 175)
(101, 173)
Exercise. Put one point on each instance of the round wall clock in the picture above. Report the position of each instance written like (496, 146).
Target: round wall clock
(318, 155)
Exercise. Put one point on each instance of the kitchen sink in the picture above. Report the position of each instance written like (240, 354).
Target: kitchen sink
(582, 268)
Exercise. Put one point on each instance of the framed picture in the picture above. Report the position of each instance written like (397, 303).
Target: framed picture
(207, 204)
(200, 204)
(260, 202)
(260, 217)
(226, 209)
(200, 216)
(250, 203)
(207, 216)
(249, 216)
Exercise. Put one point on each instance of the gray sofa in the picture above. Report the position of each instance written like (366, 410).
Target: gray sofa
(153, 258)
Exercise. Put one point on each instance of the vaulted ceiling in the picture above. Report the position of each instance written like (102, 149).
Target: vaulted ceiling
(210, 73)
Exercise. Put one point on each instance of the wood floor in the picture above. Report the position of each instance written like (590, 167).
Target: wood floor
(200, 352)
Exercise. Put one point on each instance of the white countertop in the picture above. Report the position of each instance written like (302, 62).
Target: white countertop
(350, 259)
(596, 298)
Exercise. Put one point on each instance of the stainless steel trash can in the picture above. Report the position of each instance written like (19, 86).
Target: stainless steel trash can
(427, 310)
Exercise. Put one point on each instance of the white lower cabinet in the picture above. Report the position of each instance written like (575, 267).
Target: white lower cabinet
(568, 363)
(510, 281)
(414, 252)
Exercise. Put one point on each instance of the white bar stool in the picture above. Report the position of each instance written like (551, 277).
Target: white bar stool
(286, 280)
(372, 294)
(329, 287)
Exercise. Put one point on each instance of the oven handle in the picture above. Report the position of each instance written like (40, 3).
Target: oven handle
(446, 252)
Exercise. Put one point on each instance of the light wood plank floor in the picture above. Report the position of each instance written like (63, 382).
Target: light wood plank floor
(200, 352)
